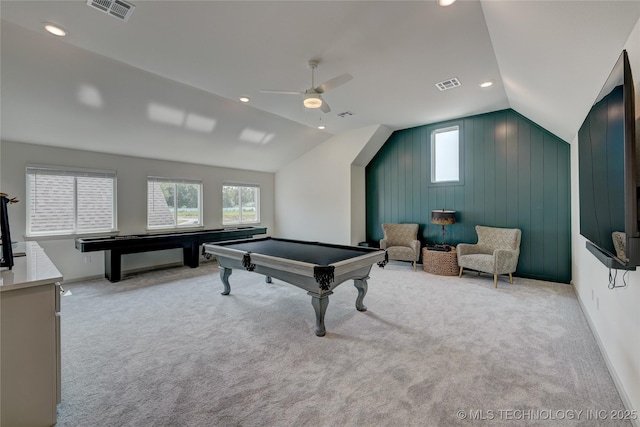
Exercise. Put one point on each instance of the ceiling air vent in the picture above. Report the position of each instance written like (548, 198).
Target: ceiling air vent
(345, 114)
(448, 84)
(117, 8)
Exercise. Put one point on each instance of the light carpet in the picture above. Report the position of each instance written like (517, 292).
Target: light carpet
(164, 348)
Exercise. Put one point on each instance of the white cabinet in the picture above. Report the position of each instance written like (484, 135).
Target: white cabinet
(30, 340)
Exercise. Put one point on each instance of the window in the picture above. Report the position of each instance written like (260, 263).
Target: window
(173, 203)
(445, 155)
(70, 201)
(240, 204)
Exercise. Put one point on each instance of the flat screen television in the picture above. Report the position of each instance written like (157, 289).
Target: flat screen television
(608, 168)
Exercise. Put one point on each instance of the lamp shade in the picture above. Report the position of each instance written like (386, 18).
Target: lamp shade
(443, 217)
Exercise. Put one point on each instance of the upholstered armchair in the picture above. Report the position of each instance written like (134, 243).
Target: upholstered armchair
(496, 252)
(619, 244)
(401, 242)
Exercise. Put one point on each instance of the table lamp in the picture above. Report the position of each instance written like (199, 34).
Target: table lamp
(443, 217)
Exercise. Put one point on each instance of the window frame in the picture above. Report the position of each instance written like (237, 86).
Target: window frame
(37, 169)
(258, 209)
(175, 182)
(446, 127)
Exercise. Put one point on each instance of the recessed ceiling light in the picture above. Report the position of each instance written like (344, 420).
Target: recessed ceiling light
(244, 99)
(321, 127)
(55, 30)
(486, 84)
(446, 2)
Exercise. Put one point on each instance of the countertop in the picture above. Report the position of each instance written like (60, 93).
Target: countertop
(34, 269)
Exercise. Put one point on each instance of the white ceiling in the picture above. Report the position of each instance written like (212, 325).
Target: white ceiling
(155, 85)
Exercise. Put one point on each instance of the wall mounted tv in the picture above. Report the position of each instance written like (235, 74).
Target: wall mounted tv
(608, 167)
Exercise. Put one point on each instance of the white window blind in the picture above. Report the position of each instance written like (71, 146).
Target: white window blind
(70, 200)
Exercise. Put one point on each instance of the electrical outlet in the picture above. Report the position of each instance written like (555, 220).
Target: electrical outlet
(87, 259)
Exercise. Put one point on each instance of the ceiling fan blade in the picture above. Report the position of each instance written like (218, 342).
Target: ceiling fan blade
(325, 107)
(282, 92)
(334, 83)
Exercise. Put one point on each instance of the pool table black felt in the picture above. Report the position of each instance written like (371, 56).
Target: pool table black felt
(312, 253)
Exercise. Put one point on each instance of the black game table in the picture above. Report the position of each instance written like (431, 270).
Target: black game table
(116, 246)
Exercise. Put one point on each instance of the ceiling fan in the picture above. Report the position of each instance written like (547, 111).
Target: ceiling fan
(313, 95)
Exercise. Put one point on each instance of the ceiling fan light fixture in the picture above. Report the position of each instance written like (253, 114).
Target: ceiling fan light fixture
(312, 100)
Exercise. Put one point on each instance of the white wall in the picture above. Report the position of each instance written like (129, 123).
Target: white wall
(316, 197)
(132, 175)
(614, 314)
(358, 226)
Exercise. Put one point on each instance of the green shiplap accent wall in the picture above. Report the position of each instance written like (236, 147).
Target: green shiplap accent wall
(516, 174)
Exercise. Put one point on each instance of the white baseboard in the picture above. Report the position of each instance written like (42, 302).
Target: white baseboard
(82, 279)
(614, 375)
(203, 261)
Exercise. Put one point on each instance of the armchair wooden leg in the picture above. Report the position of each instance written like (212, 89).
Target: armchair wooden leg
(495, 280)
(414, 265)
(510, 279)
(460, 275)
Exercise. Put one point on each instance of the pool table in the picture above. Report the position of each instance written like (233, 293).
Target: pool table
(315, 267)
(116, 246)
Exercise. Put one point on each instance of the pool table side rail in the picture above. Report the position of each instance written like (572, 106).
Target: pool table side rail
(296, 267)
(362, 249)
(304, 281)
(363, 261)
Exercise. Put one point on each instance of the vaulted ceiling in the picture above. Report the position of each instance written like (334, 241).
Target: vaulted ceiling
(165, 84)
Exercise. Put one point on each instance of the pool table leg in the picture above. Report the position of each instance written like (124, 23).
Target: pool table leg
(362, 286)
(320, 304)
(224, 276)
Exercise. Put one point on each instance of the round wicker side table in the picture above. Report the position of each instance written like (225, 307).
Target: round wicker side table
(440, 262)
